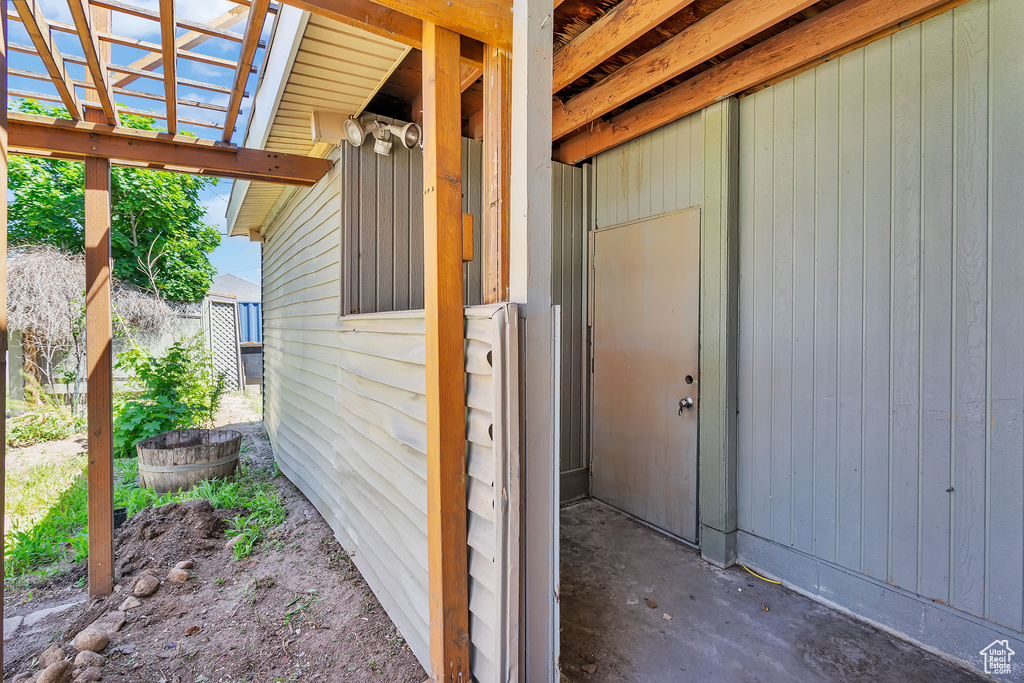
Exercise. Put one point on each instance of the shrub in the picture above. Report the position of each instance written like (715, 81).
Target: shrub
(176, 390)
(45, 419)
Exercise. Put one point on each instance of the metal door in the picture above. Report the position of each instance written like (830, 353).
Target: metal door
(646, 311)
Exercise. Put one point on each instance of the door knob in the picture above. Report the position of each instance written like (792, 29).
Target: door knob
(685, 403)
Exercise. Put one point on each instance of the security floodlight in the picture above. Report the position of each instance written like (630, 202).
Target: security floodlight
(354, 132)
(410, 134)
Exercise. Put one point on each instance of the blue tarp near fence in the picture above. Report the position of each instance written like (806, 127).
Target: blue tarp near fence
(250, 322)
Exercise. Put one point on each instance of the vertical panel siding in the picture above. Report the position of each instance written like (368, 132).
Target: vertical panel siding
(653, 174)
(345, 409)
(881, 420)
(570, 224)
(382, 226)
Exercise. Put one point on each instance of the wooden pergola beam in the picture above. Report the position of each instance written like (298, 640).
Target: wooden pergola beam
(186, 42)
(720, 30)
(48, 135)
(386, 23)
(446, 401)
(32, 18)
(812, 39)
(489, 21)
(614, 30)
(96, 66)
(253, 29)
(3, 289)
(170, 63)
(197, 26)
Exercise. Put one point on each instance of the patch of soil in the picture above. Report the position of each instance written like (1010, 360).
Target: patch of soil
(296, 610)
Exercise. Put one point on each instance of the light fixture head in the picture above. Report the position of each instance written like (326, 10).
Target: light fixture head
(354, 132)
(410, 134)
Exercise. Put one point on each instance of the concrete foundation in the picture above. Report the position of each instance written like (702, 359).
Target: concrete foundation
(637, 605)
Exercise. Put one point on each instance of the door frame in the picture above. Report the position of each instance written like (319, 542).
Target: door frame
(589, 355)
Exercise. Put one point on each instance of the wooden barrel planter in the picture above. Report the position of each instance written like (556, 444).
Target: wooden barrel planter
(182, 458)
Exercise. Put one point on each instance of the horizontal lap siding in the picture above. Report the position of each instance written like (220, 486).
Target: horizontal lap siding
(881, 421)
(345, 410)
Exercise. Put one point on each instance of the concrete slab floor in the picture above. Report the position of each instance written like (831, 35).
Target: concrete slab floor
(621, 582)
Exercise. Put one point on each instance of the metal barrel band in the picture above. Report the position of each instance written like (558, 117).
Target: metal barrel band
(156, 469)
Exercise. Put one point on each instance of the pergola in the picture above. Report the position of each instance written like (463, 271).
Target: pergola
(623, 71)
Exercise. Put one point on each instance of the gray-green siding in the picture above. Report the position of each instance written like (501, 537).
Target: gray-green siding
(881, 422)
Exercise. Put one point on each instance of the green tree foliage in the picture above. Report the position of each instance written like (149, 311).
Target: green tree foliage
(159, 240)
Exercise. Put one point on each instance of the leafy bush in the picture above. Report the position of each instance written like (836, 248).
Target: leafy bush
(177, 390)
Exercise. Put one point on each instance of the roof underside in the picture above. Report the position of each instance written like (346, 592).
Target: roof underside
(336, 68)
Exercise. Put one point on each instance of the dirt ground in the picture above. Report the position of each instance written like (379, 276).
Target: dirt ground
(296, 610)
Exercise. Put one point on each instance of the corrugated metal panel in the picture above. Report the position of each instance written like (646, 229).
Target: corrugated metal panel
(656, 173)
(383, 226)
(345, 410)
(882, 311)
(250, 322)
(571, 220)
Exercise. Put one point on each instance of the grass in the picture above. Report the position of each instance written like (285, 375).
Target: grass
(42, 424)
(47, 505)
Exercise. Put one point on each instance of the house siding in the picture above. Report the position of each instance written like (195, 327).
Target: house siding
(881, 376)
(345, 409)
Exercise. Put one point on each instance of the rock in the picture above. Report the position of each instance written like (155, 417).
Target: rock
(109, 623)
(91, 639)
(50, 655)
(130, 603)
(651, 603)
(589, 668)
(22, 677)
(177, 576)
(40, 614)
(145, 586)
(185, 564)
(93, 673)
(55, 673)
(666, 616)
(11, 625)
(87, 658)
(233, 541)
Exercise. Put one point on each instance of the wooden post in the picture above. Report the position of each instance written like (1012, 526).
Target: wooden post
(446, 402)
(497, 151)
(3, 288)
(98, 351)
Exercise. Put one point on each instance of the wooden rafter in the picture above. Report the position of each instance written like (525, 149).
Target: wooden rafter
(170, 63)
(723, 28)
(35, 24)
(21, 73)
(46, 135)
(97, 68)
(386, 23)
(186, 42)
(616, 29)
(257, 15)
(810, 40)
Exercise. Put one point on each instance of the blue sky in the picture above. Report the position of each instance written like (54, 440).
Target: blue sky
(236, 255)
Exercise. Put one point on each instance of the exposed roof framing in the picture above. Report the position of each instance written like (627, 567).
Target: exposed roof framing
(196, 26)
(49, 136)
(186, 42)
(815, 38)
(32, 17)
(43, 97)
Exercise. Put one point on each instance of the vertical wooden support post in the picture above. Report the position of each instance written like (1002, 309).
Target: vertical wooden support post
(497, 150)
(446, 401)
(98, 351)
(3, 286)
